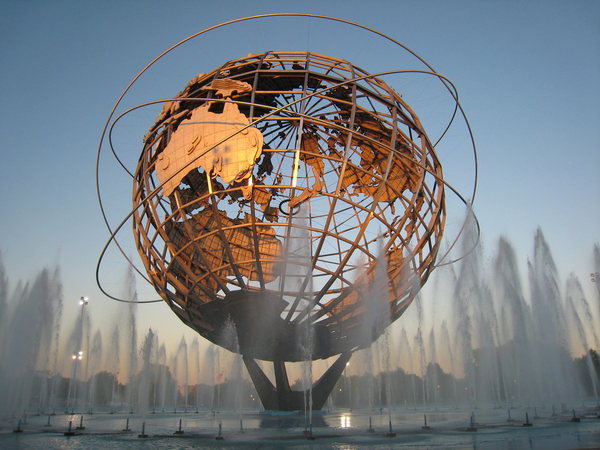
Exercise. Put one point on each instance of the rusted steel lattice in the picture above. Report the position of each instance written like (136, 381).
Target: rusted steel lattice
(283, 190)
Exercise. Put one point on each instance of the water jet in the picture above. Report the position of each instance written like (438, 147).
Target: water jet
(370, 429)
(390, 433)
(143, 434)
(472, 428)
(18, 429)
(180, 431)
(69, 432)
(219, 437)
(425, 426)
(575, 418)
(510, 419)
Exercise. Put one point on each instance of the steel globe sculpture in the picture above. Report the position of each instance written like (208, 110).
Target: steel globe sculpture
(267, 191)
(288, 206)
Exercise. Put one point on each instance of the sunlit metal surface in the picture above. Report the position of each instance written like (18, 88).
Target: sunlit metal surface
(288, 206)
(343, 162)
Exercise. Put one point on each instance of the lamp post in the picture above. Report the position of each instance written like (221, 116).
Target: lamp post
(83, 301)
(84, 343)
(77, 356)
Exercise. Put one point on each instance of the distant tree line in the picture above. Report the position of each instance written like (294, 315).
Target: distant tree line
(437, 386)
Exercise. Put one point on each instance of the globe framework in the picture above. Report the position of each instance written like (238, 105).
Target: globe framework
(288, 206)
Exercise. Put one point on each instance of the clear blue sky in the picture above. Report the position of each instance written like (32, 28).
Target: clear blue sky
(528, 75)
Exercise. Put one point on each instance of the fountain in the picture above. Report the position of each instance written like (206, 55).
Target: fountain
(143, 433)
(467, 287)
(195, 351)
(127, 429)
(498, 346)
(236, 365)
(574, 291)
(131, 326)
(29, 327)
(181, 370)
(425, 426)
(95, 357)
(147, 352)
(408, 356)
(114, 363)
(217, 378)
(179, 431)
(70, 431)
(495, 378)
(162, 362)
(419, 347)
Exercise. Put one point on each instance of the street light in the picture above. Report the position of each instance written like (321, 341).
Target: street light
(77, 356)
(83, 301)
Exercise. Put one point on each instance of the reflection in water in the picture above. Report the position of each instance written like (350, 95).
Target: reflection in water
(291, 421)
(345, 421)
